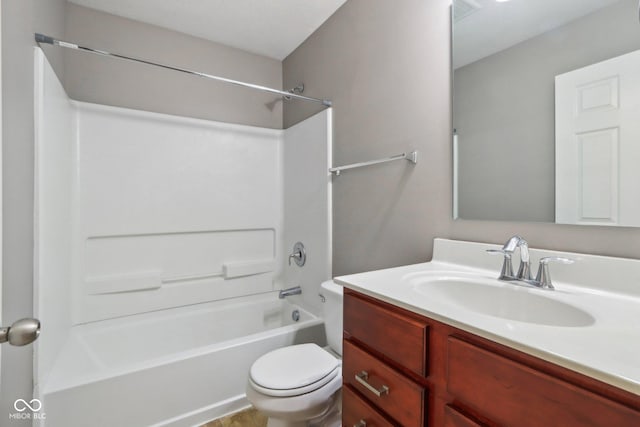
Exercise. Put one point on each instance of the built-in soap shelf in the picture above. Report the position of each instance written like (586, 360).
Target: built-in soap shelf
(115, 284)
(231, 270)
(152, 280)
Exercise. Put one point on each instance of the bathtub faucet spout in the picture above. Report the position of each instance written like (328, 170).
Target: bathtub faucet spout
(296, 290)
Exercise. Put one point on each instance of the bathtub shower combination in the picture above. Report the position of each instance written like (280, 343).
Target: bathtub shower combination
(161, 242)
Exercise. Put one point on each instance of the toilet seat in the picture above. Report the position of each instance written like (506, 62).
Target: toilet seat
(293, 370)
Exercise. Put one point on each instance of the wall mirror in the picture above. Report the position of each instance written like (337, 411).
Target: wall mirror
(546, 111)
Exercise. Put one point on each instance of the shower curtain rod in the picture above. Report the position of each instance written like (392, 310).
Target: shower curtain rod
(41, 38)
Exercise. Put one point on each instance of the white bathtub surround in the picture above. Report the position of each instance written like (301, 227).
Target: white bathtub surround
(55, 189)
(307, 205)
(140, 212)
(164, 204)
(605, 345)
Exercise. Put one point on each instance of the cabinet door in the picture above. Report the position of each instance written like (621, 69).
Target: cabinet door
(399, 337)
(357, 412)
(387, 389)
(511, 394)
(453, 418)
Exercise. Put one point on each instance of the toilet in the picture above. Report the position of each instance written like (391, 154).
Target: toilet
(299, 385)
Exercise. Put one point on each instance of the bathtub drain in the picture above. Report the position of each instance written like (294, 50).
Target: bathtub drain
(295, 315)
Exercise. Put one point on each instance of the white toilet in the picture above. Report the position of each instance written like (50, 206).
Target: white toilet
(300, 385)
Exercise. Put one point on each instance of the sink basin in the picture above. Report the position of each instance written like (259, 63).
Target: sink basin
(503, 300)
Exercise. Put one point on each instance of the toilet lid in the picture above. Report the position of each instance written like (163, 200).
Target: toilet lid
(292, 370)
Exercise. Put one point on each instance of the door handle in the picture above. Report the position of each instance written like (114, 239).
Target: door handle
(22, 332)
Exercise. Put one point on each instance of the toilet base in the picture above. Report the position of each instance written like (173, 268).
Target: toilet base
(318, 408)
(332, 416)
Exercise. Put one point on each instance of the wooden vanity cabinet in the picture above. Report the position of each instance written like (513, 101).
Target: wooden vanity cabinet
(358, 412)
(454, 418)
(381, 346)
(438, 375)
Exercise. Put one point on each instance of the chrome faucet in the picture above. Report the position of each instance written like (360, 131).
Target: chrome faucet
(524, 270)
(296, 290)
(543, 278)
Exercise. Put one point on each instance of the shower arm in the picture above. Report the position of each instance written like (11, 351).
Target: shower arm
(41, 38)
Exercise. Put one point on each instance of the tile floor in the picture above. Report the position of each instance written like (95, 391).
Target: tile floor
(247, 418)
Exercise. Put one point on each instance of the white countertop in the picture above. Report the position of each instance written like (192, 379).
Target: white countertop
(608, 349)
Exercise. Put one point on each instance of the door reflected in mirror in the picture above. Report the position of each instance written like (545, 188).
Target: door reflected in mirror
(546, 111)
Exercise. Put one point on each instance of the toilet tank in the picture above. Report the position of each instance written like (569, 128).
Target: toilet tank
(332, 313)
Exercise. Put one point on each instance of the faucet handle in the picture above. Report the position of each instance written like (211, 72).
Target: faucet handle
(558, 259)
(543, 278)
(299, 255)
(296, 256)
(504, 252)
(507, 268)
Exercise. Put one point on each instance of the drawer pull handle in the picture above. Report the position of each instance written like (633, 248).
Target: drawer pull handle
(361, 423)
(362, 378)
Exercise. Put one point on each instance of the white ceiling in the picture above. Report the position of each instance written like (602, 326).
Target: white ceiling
(273, 28)
(495, 26)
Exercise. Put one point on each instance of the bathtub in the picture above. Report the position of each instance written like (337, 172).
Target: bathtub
(178, 367)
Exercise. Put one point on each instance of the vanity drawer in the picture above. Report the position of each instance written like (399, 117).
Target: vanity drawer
(397, 336)
(403, 400)
(356, 411)
(511, 394)
(453, 418)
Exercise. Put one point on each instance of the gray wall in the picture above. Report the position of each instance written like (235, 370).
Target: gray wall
(108, 81)
(384, 65)
(387, 67)
(20, 19)
(504, 114)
